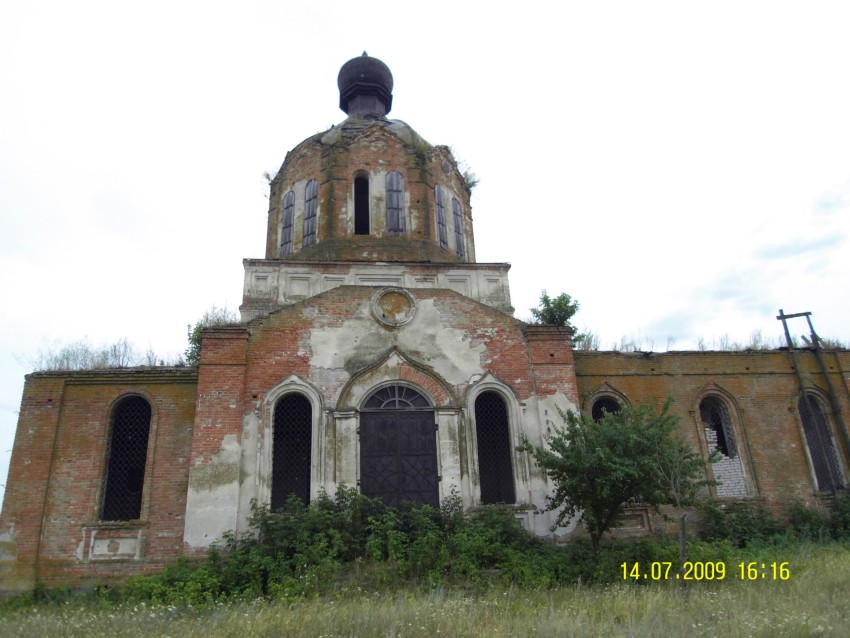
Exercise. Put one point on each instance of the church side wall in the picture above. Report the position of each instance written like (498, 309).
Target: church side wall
(761, 391)
(51, 529)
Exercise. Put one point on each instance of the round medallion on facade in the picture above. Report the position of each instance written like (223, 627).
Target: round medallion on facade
(393, 307)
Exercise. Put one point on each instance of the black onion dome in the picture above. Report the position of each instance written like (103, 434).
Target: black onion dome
(370, 80)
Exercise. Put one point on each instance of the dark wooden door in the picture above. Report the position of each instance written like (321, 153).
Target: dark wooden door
(398, 456)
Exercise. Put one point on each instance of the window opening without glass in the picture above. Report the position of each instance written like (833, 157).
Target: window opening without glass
(361, 205)
(602, 405)
(715, 414)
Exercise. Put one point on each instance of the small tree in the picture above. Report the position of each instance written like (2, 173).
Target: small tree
(600, 467)
(557, 311)
(212, 318)
(683, 477)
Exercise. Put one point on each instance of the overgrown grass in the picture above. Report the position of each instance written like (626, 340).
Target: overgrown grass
(351, 566)
(813, 602)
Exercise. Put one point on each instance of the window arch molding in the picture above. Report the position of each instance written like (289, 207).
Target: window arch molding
(396, 368)
(826, 458)
(293, 384)
(519, 460)
(106, 454)
(738, 445)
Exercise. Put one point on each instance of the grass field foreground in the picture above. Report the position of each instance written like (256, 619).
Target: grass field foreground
(813, 602)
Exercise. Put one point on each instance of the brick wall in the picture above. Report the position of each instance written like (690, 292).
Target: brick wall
(761, 389)
(366, 147)
(50, 525)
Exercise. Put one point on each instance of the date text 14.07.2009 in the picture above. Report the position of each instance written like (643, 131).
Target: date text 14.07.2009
(705, 570)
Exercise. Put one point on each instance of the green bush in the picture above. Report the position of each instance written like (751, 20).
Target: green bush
(809, 523)
(323, 547)
(182, 582)
(840, 516)
(743, 524)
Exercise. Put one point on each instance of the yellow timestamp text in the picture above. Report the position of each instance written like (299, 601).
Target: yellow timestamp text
(705, 571)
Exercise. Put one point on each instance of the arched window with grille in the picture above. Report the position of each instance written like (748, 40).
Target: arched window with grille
(292, 448)
(395, 204)
(441, 217)
(458, 220)
(819, 440)
(492, 434)
(128, 453)
(311, 207)
(287, 223)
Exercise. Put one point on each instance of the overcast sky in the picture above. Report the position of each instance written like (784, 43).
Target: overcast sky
(681, 168)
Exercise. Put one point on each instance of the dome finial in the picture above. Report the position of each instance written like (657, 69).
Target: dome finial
(365, 86)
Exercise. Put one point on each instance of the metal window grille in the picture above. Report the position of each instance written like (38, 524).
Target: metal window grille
(311, 205)
(395, 397)
(441, 217)
(395, 204)
(128, 451)
(288, 217)
(458, 219)
(819, 440)
(715, 414)
(292, 445)
(398, 447)
(495, 470)
(603, 405)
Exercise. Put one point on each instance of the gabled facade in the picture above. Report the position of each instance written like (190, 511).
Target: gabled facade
(373, 352)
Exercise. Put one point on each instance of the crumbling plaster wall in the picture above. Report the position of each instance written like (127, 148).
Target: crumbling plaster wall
(334, 350)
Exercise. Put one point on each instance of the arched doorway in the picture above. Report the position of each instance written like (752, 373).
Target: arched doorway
(398, 447)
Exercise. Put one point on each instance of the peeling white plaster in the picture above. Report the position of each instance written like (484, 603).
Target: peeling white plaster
(360, 340)
(212, 499)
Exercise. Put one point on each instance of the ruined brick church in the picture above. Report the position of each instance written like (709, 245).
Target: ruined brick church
(375, 352)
